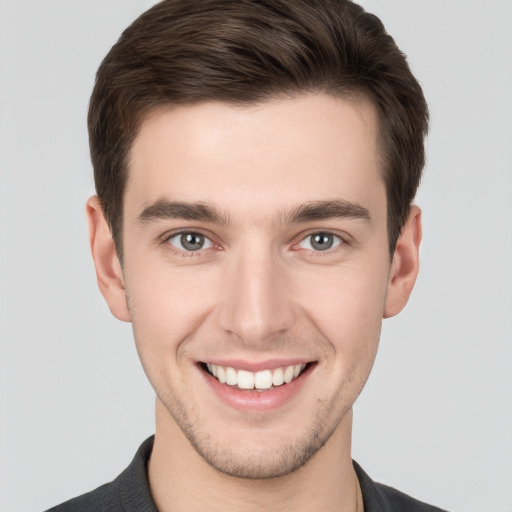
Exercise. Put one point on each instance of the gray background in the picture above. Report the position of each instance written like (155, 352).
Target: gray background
(435, 419)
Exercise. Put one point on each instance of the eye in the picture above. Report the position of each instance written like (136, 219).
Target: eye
(190, 242)
(320, 242)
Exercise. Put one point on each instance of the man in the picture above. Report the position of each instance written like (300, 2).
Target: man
(255, 164)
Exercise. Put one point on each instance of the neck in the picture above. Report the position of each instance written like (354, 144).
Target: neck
(181, 480)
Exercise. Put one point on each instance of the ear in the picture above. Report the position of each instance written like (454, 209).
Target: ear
(109, 272)
(405, 265)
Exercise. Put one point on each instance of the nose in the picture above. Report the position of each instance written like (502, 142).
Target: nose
(257, 305)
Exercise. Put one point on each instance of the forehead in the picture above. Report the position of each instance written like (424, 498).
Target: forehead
(269, 157)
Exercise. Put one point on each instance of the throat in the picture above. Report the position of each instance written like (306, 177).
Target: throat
(181, 479)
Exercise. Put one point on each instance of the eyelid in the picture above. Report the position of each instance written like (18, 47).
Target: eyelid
(166, 237)
(343, 238)
(178, 236)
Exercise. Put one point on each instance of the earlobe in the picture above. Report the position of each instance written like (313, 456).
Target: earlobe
(405, 265)
(109, 272)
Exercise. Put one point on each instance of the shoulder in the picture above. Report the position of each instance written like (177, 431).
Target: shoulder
(382, 498)
(402, 502)
(101, 499)
(129, 492)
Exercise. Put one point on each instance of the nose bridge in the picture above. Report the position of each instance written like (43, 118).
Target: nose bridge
(257, 304)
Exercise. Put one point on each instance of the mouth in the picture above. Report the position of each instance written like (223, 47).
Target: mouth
(262, 380)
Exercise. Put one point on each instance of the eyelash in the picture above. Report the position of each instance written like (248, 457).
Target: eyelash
(342, 241)
(186, 254)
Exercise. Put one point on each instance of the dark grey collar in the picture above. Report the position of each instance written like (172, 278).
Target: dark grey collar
(130, 492)
(376, 497)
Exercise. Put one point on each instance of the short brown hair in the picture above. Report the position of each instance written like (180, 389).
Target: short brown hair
(246, 51)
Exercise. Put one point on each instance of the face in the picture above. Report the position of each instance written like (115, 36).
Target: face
(256, 271)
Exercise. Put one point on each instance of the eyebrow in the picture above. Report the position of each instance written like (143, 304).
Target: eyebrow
(164, 209)
(322, 210)
(203, 212)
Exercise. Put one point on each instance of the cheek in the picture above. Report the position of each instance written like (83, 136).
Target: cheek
(166, 308)
(346, 306)
(167, 305)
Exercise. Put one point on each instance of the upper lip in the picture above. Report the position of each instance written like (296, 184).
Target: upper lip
(256, 366)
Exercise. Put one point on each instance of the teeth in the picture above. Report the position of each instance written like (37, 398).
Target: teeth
(264, 379)
(245, 379)
(221, 374)
(231, 376)
(288, 374)
(277, 377)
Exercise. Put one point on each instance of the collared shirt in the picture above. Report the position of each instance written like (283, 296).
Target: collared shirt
(129, 492)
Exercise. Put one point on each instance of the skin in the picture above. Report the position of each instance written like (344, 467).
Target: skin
(257, 291)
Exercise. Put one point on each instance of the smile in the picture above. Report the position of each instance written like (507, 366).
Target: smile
(261, 380)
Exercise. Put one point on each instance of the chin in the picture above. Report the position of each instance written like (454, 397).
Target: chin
(252, 456)
(260, 464)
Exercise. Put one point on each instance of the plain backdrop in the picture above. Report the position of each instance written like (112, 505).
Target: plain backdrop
(435, 419)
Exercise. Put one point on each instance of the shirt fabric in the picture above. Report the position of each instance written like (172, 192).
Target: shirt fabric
(129, 492)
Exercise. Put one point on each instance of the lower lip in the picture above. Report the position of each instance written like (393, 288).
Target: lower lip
(252, 400)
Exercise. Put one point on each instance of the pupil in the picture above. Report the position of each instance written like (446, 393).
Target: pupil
(322, 241)
(192, 241)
